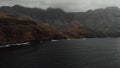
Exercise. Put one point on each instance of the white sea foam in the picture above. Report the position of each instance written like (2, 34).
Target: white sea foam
(17, 44)
(54, 40)
(5, 46)
(83, 38)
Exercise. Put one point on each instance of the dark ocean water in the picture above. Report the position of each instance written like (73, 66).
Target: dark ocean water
(87, 53)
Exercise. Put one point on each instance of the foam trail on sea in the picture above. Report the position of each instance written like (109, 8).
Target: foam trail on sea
(18, 44)
(54, 40)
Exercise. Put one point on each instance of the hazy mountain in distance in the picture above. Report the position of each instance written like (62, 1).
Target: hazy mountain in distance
(102, 22)
(53, 16)
(33, 13)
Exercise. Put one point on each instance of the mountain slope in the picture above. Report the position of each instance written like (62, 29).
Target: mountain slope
(21, 29)
(16, 29)
(51, 16)
(98, 23)
(103, 22)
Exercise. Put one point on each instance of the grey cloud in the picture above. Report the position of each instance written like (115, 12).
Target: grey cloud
(68, 5)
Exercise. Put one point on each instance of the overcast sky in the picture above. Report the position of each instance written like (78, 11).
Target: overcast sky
(67, 5)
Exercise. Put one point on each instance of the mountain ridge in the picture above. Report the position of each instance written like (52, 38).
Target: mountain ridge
(99, 22)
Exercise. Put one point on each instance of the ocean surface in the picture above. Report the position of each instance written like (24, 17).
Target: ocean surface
(76, 53)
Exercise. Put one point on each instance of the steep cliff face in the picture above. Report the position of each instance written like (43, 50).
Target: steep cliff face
(103, 22)
(75, 30)
(13, 30)
(21, 29)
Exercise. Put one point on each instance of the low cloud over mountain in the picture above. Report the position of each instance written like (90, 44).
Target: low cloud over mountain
(67, 5)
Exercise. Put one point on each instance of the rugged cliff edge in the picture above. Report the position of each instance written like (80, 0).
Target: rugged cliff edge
(20, 29)
(15, 29)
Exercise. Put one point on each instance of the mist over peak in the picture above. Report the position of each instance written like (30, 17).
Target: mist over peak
(67, 5)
